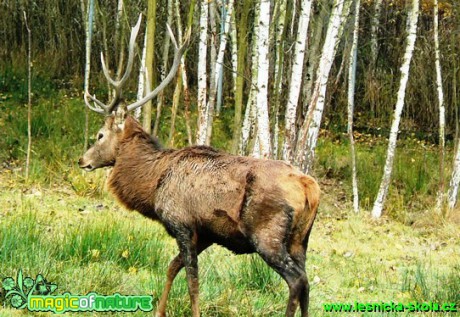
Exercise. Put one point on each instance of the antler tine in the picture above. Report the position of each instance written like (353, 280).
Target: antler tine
(118, 84)
(179, 51)
(103, 109)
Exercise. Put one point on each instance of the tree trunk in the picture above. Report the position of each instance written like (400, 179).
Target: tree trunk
(442, 118)
(296, 81)
(175, 106)
(202, 74)
(218, 69)
(240, 79)
(279, 73)
(89, 34)
(149, 61)
(308, 134)
(263, 126)
(142, 81)
(375, 22)
(29, 95)
(249, 124)
(313, 58)
(351, 105)
(411, 37)
(183, 69)
(455, 180)
(164, 67)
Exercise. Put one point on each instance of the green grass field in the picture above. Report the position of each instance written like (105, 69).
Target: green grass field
(61, 223)
(88, 244)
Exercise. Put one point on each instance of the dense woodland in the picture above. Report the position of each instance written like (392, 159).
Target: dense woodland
(265, 74)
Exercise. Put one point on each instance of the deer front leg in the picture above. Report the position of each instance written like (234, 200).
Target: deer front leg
(174, 268)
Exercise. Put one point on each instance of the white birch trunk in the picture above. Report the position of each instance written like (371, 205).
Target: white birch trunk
(218, 68)
(375, 22)
(89, 34)
(411, 37)
(442, 116)
(29, 94)
(308, 135)
(202, 74)
(248, 126)
(455, 180)
(263, 126)
(351, 105)
(141, 81)
(234, 39)
(296, 80)
(278, 74)
(249, 121)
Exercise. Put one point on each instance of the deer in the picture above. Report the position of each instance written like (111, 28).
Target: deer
(203, 196)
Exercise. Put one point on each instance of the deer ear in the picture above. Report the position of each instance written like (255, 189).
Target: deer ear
(120, 117)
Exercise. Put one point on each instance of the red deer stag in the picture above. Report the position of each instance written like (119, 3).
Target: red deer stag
(203, 196)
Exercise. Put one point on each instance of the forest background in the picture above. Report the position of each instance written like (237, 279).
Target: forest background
(317, 83)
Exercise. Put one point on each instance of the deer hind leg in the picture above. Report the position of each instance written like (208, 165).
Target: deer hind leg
(174, 268)
(275, 254)
(299, 259)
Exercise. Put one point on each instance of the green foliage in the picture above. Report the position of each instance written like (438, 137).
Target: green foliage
(414, 181)
(428, 285)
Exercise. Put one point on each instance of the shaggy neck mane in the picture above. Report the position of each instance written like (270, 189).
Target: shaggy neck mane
(139, 165)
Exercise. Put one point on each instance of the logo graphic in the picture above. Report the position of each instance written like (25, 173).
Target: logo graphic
(18, 292)
(36, 295)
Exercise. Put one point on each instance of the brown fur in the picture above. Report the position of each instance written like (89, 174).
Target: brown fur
(203, 196)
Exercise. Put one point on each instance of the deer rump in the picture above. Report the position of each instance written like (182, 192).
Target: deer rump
(230, 200)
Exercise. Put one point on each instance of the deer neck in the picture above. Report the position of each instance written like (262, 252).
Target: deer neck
(137, 171)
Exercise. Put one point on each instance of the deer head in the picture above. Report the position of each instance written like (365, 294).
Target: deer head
(104, 150)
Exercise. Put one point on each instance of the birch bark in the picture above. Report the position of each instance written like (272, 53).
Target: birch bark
(411, 37)
(141, 82)
(351, 104)
(375, 22)
(296, 80)
(202, 74)
(442, 116)
(308, 135)
(218, 69)
(263, 126)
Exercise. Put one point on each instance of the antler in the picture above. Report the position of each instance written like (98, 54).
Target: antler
(179, 51)
(102, 108)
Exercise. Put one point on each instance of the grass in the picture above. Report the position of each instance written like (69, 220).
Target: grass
(91, 244)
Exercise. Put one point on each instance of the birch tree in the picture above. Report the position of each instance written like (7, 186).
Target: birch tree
(149, 62)
(163, 68)
(455, 180)
(375, 23)
(249, 121)
(442, 119)
(411, 37)
(351, 104)
(218, 69)
(89, 34)
(202, 74)
(29, 95)
(308, 134)
(240, 80)
(279, 70)
(263, 126)
(296, 80)
(142, 82)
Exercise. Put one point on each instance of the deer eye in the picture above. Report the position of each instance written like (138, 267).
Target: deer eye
(100, 136)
